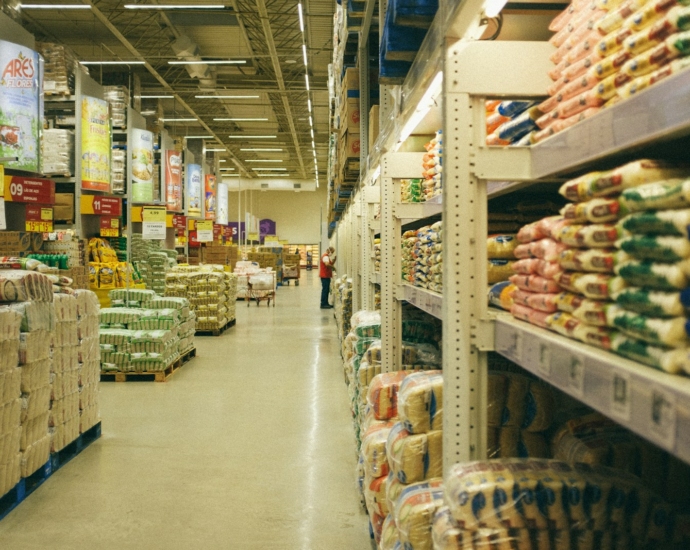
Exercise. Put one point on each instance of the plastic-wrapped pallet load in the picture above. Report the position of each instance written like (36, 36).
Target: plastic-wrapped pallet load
(57, 152)
(432, 168)
(89, 356)
(118, 98)
(152, 261)
(118, 170)
(58, 68)
(428, 253)
(10, 402)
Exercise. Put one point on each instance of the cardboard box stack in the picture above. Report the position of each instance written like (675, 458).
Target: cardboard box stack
(57, 152)
(10, 402)
(58, 68)
(77, 250)
(89, 356)
(19, 243)
(63, 210)
(264, 259)
(214, 253)
(64, 378)
(233, 255)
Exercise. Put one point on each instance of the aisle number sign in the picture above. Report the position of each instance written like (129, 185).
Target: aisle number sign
(101, 206)
(110, 227)
(39, 219)
(34, 190)
(204, 231)
(153, 222)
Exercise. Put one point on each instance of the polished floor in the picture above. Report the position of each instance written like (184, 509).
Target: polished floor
(248, 446)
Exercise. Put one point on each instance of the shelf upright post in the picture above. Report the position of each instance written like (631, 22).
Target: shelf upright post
(391, 309)
(364, 250)
(357, 250)
(78, 75)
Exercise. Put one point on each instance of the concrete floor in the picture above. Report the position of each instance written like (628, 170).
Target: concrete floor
(248, 446)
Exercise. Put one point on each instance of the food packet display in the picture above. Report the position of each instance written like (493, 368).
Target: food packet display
(545, 249)
(657, 223)
(593, 211)
(501, 295)
(654, 303)
(503, 485)
(597, 286)
(414, 514)
(383, 394)
(653, 275)
(418, 331)
(665, 249)
(672, 361)
(420, 402)
(532, 316)
(499, 270)
(594, 260)
(671, 332)
(390, 539)
(613, 182)
(375, 495)
(374, 458)
(667, 194)
(414, 457)
(18, 285)
(588, 236)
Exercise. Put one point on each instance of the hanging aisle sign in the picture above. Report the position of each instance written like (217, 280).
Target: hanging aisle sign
(194, 189)
(173, 181)
(95, 145)
(20, 106)
(153, 222)
(100, 206)
(204, 231)
(142, 165)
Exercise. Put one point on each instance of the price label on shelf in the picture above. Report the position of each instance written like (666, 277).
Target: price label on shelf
(110, 227)
(576, 374)
(620, 395)
(153, 222)
(514, 346)
(662, 418)
(204, 231)
(39, 219)
(544, 364)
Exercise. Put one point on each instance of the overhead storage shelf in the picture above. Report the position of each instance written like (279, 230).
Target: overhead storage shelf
(426, 300)
(649, 402)
(418, 210)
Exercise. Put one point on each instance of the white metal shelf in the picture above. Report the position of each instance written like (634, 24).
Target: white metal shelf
(651, 403)
(660, 112)
(375, 278)
(422, 298)
(418, 210)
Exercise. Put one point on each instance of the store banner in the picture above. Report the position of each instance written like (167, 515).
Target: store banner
(37, 190)
(20, 106)
(173, 181)
(222, 204)
(95, 144)
(142, 165)
(100, 206)
(237, 230)
(267, 227)
(194, 189)
(210, 196)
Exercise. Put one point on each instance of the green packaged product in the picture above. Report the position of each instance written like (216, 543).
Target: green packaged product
(656, 248)
(654, 303)
(666, 332)
(673, 361)
(660, 222)
(663, 195)
(654, 275)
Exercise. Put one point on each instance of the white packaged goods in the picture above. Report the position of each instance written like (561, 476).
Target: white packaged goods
(57, 152)
(414, 514)
(58, 69)
(118, 98)
(118, 170)
(35, 455)
(10, 402)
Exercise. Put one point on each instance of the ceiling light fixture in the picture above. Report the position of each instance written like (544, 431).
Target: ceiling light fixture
(301, 16)
(216, 150)
(226, 169)
(252, 137)
(222, 160)
(263, 160)
(309, 104)
(179, 119)
(261, 149)
(306, 78)
(226, 96)
(112, 62)
(174, 7)
(312, 144)
(241, 119)
(198, 137)
(209, 62)
(311, 121)
(158, 97)
(312, 133)
(55, 7)
(304, 54)
(267, 169)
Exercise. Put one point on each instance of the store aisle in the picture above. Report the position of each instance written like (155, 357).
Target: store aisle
(249, 446)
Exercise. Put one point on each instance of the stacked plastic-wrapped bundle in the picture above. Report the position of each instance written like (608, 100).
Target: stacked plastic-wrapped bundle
(609, 51)
(89, 352)
(152, 262)
(428, 252)
(57, 152)
(377, 255)
(118, 170)
(133, 297)
(206, 295)
(343, 305)
(10, 402)
(411, 190)
(187, 326)
(500, 253)
(409, 262)
(59, 64)
(118, 98)
(510, 122)
(64, 418)
(377, 298)
(531, 503)
(231, 295)
(432, 168)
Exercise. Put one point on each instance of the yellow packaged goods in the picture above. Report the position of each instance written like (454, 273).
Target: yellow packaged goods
(595, 260)
(106, 276)
(374, 449)
(393, 489)
(414, 514)
(588, 236)
(446, 534)
(420, 402)
(390, 540)
(414, 457)
(499, 270)
(375, 495)
(612, 182)
(598, 286)
(501, 246)
(383, 394)
(594, 211)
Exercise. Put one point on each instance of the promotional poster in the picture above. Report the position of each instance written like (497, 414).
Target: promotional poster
(210, 195)
(194, 189)
(222, 204)
(173, 181)
(95, 145)
(142, 165)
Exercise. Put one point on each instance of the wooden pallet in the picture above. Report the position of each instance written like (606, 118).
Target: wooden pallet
(156, 376)
(216, 332)
(28, 485)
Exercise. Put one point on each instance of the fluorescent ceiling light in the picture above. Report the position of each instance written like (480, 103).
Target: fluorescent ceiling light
(309, 104)
(493, 7)
(312, 144)
(263, 160)
(226, 169)
(301, 17)
(311, 121)
(210, 62)
(226, 96)
(112, 62)
(266, 169)
(179, 119)
(222, 160)
(312, 133)
(158, 97)
(304, 54)
(314, 153)
(174, 7)
(55, 6)
(252, 137)
(306, 78)
(150, 112)
(217, 150)
(241, 119)
(231, 175)
(262, 149)
(198, 137)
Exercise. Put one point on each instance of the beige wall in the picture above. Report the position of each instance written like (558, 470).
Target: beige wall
(297, 215)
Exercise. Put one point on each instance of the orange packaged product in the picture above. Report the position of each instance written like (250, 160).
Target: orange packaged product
(493, 139)
(549, 118)
(494, 120)
(382, 396)
(579, 104)
(580, 67)
(585, 48)
(491, 104)
(614, 19)
(585, 19)
(565, 50)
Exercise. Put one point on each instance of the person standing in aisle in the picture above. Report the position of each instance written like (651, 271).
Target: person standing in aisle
(326, 274)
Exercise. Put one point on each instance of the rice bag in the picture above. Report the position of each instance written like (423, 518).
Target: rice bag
(537, 267)
(511, 109)
(446, 534)
(420, 402)
(669, 332)
(18, 285)
(519, 126)
(615, 18)
(500, 295)
(660, 195)
(674, 361)
(654, 275)
(499, 270)
(532, 316)
(654, 303)
(531, 232)
(382, 396)
(597, 286)
(588, 236)
(661, 222)
(594, 211)
(501, 246)
(390, 540)
(645, 81)
(414, 514)
(656, 248)
(375, 495)
(539, 301)
(494, 121)
(546, 249)
(414, 457)
(633, 174)
(534, 283)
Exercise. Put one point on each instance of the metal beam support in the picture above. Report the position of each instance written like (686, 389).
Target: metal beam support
(364, 94)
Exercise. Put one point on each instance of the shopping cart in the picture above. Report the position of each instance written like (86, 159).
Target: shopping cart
(291, 272)
(262, 287)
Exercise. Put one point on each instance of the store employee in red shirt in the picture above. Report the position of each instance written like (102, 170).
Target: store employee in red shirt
(326, 274)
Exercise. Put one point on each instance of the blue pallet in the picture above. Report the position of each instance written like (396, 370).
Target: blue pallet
(413, 13)
(357, 7)
(28, 485)
(400, 43)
